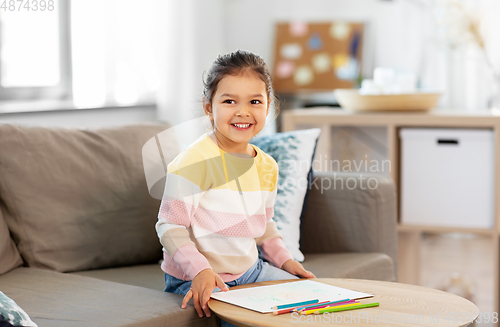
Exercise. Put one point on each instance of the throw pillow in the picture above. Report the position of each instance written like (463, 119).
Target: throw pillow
(294, 152)
(9, 255)
(77, 199)
(11, 314)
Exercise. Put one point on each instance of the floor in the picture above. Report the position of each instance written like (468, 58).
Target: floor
(460, 264)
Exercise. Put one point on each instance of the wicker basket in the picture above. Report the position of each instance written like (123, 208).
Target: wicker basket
(351, 100)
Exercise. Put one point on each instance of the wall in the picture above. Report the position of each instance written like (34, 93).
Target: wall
(190, 36)
(250, 25)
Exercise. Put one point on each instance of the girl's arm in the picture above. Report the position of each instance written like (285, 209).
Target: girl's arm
(184, 187)
(275, 251)
(271, 242)
(272, 246)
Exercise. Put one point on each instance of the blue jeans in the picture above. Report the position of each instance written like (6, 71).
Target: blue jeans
(260, 272)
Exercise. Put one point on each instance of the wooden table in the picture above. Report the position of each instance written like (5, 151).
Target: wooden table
(400, 305)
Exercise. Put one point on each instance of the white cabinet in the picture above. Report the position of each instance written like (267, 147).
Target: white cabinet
(447, 177)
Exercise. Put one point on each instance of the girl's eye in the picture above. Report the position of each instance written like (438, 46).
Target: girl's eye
(255, 102)
(229, 101)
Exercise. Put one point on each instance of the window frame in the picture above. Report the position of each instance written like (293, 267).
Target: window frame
(61, 91)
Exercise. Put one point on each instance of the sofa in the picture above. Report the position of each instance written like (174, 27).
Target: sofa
(78, 246)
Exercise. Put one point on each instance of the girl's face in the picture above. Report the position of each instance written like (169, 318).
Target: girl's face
(239, 109)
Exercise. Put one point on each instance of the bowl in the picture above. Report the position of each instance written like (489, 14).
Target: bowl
(350, 99)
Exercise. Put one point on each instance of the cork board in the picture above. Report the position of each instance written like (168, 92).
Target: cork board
(317, 56)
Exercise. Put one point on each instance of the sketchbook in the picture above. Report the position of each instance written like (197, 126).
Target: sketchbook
(263, 298)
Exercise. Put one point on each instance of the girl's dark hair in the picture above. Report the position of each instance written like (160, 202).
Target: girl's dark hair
(235, 63)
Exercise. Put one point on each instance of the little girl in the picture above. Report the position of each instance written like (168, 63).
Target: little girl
(219, 196)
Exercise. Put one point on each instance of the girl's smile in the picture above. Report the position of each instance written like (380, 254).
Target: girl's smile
(241, 127)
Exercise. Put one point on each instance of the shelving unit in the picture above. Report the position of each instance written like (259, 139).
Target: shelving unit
(409, 235)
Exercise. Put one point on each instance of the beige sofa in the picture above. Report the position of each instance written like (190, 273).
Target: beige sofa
(78, 245)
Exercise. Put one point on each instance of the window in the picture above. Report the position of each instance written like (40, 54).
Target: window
(93, 52)
(33, 50)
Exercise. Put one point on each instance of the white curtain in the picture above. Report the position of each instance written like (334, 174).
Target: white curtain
(113, 52)
(190, 36)
(461, 72)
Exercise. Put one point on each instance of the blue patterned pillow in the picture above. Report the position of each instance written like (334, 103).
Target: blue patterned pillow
(11, 314)
(294, 152)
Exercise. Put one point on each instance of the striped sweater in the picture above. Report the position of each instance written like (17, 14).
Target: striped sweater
(215, 209)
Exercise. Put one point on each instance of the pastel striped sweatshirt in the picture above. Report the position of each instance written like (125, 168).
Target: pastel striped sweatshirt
(216, 209)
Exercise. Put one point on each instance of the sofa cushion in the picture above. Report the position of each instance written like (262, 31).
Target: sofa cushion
(294, 152)
(373, 266)
(9, 255)
(148, 276)
(77, 199)
(54, 299)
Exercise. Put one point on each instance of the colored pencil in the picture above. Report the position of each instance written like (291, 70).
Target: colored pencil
(279, 312)
(308, 312)
(306, 306)
(294, 305)
(329, 305)
(358, 306)
(317, 304)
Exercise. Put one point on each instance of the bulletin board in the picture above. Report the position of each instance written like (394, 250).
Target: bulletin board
(317, 56)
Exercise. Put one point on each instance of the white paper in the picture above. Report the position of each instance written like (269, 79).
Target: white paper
(263, 298)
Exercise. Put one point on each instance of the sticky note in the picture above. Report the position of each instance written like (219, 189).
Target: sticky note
(321, 62)
(315, 42)
(340, 31)
(339, 60)
(285, 69)
(298, 29)
(303, 76)
(291, 51)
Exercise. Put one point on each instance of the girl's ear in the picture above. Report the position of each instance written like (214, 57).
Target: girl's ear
(207, 108)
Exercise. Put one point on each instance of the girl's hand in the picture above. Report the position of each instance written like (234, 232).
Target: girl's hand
(295, 268)
(201, 288)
